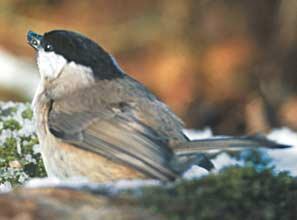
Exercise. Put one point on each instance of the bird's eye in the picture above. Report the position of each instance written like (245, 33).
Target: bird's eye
(34, 42)
(48, 47)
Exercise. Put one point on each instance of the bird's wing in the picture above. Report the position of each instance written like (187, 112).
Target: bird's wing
(111, 131)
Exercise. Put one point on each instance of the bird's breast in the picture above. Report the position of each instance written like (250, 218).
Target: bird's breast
(64, 160)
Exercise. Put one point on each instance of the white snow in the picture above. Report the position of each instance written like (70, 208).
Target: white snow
(283, 136)
(42, 182)
(5, 187)
(195, 172)
(132, 184)
(193, 134)
(82, 183)
(224, 160)
(284, 159)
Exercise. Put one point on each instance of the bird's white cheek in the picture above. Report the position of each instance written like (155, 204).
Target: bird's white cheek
(50, 64)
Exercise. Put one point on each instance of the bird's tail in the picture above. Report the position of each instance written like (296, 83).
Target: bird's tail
(195, 152)
(225, 143)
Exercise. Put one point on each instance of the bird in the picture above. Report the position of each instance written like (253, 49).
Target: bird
(95, 121)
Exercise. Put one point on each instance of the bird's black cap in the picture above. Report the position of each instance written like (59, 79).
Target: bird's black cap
(80, 49)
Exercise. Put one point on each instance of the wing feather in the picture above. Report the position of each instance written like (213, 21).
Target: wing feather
(115, 135)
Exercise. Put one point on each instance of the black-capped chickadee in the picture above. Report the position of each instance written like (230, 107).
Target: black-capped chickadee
(95, 121)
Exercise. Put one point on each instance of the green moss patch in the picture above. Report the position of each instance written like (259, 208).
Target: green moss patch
(20, 157)
(235, 193)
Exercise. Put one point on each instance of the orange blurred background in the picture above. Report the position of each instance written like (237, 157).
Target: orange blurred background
(229, 65)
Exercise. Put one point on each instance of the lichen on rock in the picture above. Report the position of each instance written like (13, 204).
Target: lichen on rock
(20, 156)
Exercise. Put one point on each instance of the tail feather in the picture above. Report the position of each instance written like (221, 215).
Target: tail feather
(228, 143)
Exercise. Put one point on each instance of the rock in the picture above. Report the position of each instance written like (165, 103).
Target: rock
(236, 193)
(55, 203)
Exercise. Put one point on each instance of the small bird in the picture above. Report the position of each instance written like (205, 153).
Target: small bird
(94, 120)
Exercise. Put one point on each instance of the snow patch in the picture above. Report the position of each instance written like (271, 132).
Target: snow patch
(283, 136)
(5, 187)
(195, 172)
(284, 159)
(193, 134)
(224, 160)
(80, 183)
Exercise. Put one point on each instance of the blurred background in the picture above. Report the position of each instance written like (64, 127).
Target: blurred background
(230, 65)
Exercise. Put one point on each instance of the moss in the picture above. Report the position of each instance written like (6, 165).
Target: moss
(13, 176)
(19, 161)
(28, 114)
(28, 168)
(235, 193)
(11, 124)
(8, 111)
(28, 143)
(8, 152)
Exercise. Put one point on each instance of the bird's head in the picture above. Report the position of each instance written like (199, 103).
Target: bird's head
(58, 48)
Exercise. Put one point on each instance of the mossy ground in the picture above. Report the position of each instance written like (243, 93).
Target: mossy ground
(19, 150)
(235, 193)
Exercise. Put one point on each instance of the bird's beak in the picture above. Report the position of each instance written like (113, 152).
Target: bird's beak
(34, 39)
